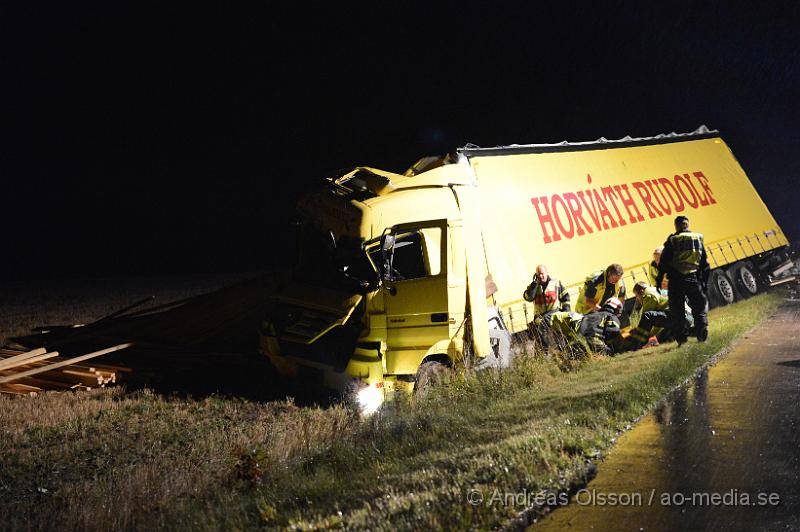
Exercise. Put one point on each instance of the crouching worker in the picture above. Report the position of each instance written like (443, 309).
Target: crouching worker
(597, 332)
(651, 316)
(599, 287)
(548, 296)
(561, 330)
(601, 329)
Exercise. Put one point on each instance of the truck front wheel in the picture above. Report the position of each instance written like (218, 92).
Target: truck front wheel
(430, 374)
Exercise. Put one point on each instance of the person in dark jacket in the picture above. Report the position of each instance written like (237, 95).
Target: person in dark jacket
(601, 328)
(685, 262)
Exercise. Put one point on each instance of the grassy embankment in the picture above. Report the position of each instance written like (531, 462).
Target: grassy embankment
(115, 460)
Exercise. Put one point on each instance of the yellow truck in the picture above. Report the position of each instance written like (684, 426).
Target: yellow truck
(399, 275)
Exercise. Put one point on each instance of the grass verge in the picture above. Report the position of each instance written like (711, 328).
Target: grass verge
(112, 460)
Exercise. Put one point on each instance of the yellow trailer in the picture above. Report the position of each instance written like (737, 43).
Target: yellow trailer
(401, 275)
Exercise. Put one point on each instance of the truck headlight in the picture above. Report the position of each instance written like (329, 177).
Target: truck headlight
(370, 399)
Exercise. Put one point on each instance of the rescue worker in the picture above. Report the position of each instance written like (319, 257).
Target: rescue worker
(598, 332)
(653, 269)
(602, 328)
(650, 317)
(561, 330)
(684, 261)
(599, 287)
(547, 295)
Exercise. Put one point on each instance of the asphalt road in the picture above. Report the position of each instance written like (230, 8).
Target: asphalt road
(722, 454)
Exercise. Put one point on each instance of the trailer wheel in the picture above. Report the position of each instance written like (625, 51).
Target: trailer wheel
(744, 280)
(430, 374)
(720, 289)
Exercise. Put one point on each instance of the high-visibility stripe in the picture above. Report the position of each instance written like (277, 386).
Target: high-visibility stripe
(553, 285)
(582, 306)
(687, 251)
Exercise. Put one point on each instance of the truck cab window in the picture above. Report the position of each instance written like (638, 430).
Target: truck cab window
(414, 255)
(408, 259)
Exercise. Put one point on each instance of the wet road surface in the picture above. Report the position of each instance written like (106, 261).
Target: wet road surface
(729, 438)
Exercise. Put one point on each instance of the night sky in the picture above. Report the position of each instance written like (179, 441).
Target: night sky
(157, 139)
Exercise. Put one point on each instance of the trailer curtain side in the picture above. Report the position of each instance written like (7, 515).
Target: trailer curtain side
(579, 211)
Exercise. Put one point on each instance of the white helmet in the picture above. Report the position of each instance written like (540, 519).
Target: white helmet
(613, 305)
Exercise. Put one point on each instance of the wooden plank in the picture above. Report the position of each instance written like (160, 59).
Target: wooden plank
(80, 373)
(24, 389)
(61, 376)
(48, 384)
(83, 377)
(783, 281)
(35, 364)
(63, 363)
(5, 352)
(30, 360)
(14, 360)
(108, 367)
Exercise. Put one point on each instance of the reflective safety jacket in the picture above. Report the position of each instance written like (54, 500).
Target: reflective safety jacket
(652, 274)
(547, 297)
(598, 291)
(685, 252)
(565, 327)
(651, 300)
(564, 322)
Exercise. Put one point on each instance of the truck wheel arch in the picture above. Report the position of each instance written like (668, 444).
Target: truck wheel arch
(442, 351)
(441, 358)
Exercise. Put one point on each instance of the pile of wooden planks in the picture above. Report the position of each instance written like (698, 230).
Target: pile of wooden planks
(33, 371)
(183, 340)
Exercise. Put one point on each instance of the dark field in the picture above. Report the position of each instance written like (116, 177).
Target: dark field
(24, 305)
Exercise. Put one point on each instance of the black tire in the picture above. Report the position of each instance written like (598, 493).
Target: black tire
(745, 280)
(430, 374)
(721, 290)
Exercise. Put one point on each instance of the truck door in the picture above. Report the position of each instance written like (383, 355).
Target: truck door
(414, 270)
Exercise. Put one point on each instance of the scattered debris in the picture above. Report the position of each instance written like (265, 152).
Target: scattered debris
(186, 336)
(31, 372)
